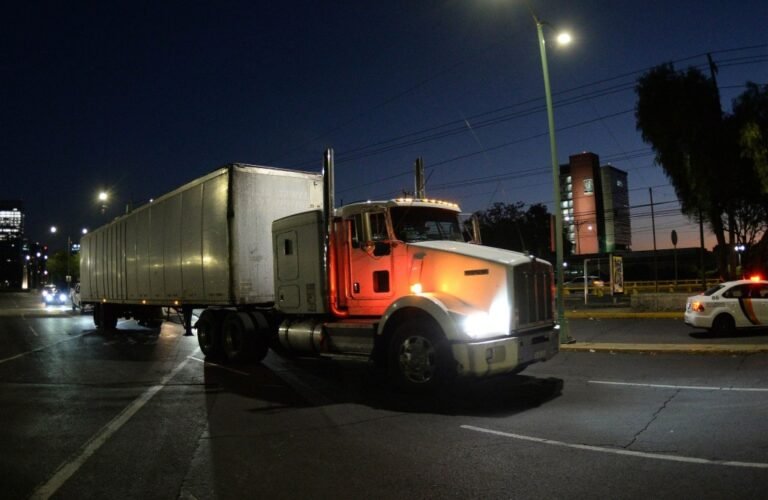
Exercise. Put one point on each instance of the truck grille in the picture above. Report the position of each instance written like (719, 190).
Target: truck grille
(532, 295)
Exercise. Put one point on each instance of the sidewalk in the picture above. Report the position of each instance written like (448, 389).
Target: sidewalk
(616, 328)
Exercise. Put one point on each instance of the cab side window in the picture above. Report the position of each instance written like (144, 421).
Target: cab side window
(760, 292)
(378, 226)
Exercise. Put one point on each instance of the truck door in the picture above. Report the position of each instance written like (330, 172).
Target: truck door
(370, 263)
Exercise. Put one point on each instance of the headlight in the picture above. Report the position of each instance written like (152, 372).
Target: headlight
(493, 323)
(62, 297)
(48, 297)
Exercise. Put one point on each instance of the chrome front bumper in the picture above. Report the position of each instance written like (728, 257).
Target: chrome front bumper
(496, 356)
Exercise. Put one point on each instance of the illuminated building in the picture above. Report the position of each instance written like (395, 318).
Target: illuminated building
(595, 205)
(11, 243)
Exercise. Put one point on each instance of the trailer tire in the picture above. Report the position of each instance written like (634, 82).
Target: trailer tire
(260, 344)
(419, 356)
(97, 315)
(108, 317)
(238, 334)
(209, 333)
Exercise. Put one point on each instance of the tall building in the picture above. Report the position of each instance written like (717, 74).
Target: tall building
(595, 205)
(11, 243)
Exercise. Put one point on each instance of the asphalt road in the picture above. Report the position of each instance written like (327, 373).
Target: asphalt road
(139, 414)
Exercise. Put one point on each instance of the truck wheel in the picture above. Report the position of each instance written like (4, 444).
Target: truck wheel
(209, 333)
(238, 334)
(419, 358)
(97, 315)
(108, 317)
(260, 344)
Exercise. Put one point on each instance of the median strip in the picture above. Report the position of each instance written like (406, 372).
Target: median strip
(665, 348)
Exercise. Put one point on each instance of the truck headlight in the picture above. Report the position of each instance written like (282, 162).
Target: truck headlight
(493, 323)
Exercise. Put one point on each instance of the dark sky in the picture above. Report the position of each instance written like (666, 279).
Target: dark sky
(139, 98)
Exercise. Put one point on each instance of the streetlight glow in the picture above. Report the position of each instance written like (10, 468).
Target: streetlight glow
(53, 229)
(564, 38)
(103, 196)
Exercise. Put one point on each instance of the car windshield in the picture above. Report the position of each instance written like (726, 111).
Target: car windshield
(425, 224)
(714, 289)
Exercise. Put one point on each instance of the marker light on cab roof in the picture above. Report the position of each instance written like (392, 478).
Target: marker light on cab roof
(755, 277)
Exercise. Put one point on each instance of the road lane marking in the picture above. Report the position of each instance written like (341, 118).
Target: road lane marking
(220, 366)
(33, 331)
(42, 348)
(687, 387)
(69, 468)
(620, 451)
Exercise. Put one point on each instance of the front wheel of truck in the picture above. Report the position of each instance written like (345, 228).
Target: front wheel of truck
(420, 358)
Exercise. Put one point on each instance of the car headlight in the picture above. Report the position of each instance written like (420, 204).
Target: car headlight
(48, 297)
(62, 297)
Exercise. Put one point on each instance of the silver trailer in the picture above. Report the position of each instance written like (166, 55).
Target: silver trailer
(207, 243)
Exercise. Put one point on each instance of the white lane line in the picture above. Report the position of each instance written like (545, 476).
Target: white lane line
(42, 348)
(619, 451)
(220, 366)
(33, 331)
(69, 468)
(688, 387)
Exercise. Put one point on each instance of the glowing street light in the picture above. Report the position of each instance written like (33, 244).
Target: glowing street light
(103, 198)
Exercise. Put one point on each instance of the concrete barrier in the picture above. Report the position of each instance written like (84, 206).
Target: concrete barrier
(659, 301)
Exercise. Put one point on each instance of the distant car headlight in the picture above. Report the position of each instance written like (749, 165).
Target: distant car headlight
(48, 297)
(62, 297)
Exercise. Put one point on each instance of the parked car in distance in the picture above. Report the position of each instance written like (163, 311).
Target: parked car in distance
(578, 282)
(729, 305)
(53, 296)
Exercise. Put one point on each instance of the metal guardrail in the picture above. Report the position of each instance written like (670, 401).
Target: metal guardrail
(633, 287)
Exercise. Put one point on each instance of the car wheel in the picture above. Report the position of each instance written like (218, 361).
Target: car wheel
(723, 325)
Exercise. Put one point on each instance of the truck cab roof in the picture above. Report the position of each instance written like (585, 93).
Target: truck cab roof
(363, 206)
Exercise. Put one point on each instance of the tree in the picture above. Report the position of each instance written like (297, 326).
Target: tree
(57, 268)
(512, 227)
(702, 152)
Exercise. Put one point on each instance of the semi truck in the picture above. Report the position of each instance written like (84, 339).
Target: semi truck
(266, 259)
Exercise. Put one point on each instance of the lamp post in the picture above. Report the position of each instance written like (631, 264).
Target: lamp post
(68, 277)
(564, 39)
(103, 198)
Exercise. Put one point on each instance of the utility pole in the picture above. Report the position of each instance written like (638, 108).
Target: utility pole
(655, 260)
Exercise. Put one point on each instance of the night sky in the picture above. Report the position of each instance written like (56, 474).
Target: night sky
(139, 98)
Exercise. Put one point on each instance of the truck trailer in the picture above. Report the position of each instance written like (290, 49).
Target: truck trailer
(271, 262)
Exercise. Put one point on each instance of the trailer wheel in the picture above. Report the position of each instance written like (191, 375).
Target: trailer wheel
(260, 344)
(419, 358)
(97, 315)
(108, 317)
(238, 336)
(209, 333)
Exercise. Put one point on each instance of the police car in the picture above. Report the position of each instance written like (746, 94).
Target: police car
(730, 305)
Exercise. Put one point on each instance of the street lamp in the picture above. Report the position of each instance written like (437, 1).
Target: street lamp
(739, 249)
(68, 277)
(563, 38)
(103, 197)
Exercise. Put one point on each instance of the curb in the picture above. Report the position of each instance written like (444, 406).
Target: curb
(742, 349)
(623, 315)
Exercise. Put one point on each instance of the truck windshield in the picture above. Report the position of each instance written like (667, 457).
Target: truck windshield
(425, 224)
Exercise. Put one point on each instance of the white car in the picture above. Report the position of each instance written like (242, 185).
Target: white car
(730, 305)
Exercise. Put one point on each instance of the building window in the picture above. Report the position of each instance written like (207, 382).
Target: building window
(589, 187)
